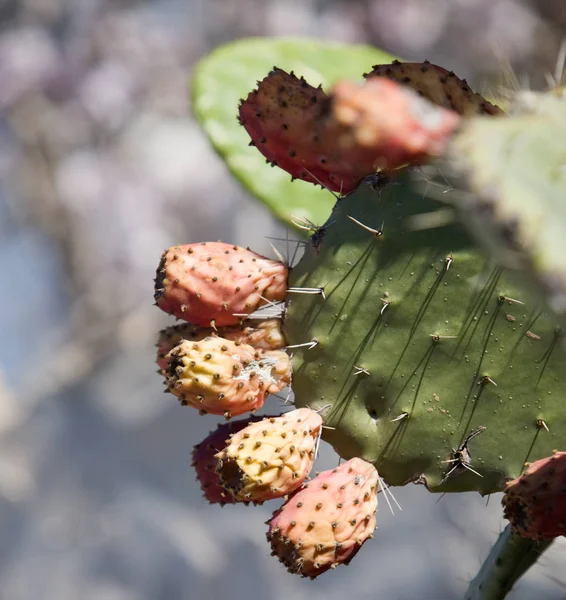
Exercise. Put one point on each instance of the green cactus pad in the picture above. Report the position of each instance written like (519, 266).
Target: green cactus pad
(386, 372)
(515, 169)
(231, 72)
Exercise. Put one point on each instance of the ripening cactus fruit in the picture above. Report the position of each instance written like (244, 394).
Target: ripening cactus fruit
(437, 85)
(326, 522)
(289, 122)
(262, 335)
(388, 125)
(222, 377)
(270, 458)
(535, 502)
(214, 284)
(204, 460)
(281, 118)
(404, 114)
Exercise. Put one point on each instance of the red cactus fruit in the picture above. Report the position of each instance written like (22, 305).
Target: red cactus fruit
(222, 377)
(285, 118)
(261, 335)
(204, 461)
(339, 139)
(437, 85)
(535, 502)
(210, 283)
(389, 123)
(270, 458)
(325, 523)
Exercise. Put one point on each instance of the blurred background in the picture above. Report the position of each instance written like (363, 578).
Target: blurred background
(102, 167)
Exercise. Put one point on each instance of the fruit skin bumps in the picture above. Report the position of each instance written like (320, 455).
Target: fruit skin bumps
(222, 377)
(326, 522)
(262, 335)
(270, 458)
(389, 125)
(437, 85)
(535, 502)
(204, 461)
(213, 284)
(403, 115)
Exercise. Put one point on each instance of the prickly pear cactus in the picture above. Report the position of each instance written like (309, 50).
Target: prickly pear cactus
(418, 347)
(419, 341)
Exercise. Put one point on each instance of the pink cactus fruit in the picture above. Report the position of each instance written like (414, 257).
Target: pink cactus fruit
(437, 85)
(339, 139)
(289, 122)
(282, 119)
(535, 502)
(260, 334)
(389, 124)
(270, 458)
(211, 283)
(204, 460)
(222, 377)
(325, 523)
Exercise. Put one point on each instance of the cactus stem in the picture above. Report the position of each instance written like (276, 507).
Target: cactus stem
(510, 558)
(376, 232)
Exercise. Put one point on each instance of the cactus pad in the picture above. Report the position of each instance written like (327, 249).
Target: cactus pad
(514, 173)
(429, 360)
